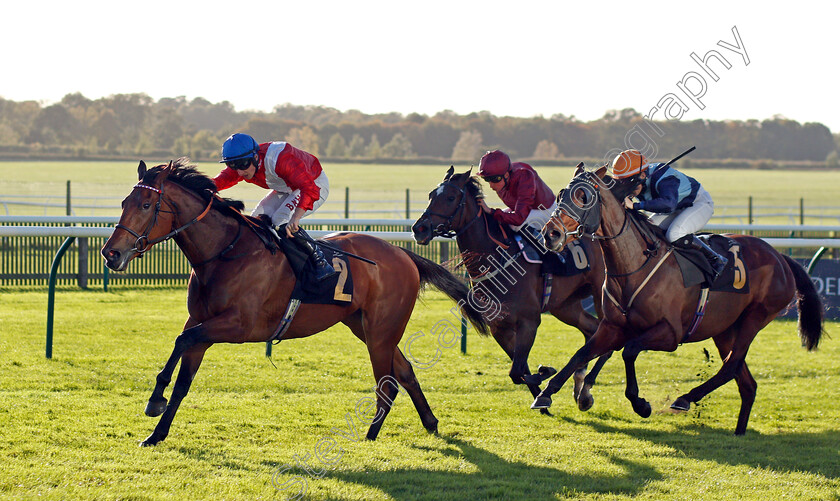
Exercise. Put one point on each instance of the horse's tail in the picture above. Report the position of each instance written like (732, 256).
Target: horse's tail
(809, 306)
(441, 278)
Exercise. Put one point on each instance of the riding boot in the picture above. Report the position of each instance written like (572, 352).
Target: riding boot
(717, 261)
(323, 269)
(535, 237)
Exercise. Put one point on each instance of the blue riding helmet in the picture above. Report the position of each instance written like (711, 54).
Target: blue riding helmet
(237, 147)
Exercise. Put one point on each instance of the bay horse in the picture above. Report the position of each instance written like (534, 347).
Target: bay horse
(454, 210)
(650, 309)
(239, 288)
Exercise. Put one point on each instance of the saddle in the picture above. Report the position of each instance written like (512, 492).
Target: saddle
(696, 270)
(337, 289)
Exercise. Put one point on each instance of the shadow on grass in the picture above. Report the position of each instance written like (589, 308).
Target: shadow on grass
(498, 478)
(817, 453)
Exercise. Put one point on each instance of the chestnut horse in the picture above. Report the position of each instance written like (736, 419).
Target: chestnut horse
(239, 288)
(650, 309)
(454, 210)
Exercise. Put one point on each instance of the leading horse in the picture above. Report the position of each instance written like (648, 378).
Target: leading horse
(454, 210)
(650, 309)
(239, 287)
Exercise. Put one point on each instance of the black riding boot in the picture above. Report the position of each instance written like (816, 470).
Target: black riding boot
(323, 269)
(717, 261)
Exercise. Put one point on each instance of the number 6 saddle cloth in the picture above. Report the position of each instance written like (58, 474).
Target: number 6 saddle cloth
(696, 269)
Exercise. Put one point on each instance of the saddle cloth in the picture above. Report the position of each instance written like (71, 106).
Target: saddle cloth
(572, 260)
(337, 289)
(697, 270)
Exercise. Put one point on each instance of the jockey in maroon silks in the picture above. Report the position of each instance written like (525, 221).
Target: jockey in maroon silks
(530, 202)
(297, 182)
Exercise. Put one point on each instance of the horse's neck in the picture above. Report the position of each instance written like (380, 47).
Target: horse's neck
(477, 242)
(623, 245)
(207, 238)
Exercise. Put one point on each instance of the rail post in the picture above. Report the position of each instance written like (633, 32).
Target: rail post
(51, 291)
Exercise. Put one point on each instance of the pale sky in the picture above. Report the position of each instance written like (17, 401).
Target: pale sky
(520, 58)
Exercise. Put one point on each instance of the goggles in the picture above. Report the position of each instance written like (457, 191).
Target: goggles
(493, 179)
(240, 163)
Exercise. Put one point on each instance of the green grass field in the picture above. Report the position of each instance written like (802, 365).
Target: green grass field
(377, 182)
(71, 425)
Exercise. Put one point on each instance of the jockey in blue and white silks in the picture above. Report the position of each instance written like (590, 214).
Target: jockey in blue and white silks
(680, 205)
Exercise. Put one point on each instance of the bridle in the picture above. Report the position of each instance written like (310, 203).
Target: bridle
(444, 229)
(588, 217)
(142, 242)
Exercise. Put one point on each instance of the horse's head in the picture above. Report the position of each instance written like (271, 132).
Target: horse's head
(578, 209)
(449, 207)
(143, 218)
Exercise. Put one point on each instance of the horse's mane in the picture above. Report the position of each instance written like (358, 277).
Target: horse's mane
(186, 175)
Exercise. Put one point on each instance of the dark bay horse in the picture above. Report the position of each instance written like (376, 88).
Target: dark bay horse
(650, 309)
(454, 210)
(239, 288)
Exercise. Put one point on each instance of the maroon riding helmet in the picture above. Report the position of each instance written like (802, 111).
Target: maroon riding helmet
(493, 164)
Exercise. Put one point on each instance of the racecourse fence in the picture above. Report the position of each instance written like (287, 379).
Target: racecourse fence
(28, 245)
(411, 206)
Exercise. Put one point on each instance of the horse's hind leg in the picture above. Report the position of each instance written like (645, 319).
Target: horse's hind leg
(732, 346)
(505, 336)
(747, 388)
(381, 347)
(407, 379)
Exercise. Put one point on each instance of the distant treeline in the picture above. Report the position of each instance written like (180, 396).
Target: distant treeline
(132, 125)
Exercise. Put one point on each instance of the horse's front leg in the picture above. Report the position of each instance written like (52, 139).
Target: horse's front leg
(190, 361)
(190, 345)
(157, 402)
(660, 337)
(607, 338)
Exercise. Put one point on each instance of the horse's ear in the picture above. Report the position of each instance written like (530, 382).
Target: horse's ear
(602, 171)
(141, 170)
(163, 174)
(449, 172)
(578, 169)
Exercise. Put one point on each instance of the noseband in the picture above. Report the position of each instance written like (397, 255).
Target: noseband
(143, 244)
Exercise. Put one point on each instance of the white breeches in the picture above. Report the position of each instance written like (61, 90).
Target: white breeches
(280, 206)
(689, 220)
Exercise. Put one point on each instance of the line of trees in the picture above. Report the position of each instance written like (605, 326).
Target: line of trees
(133, 125)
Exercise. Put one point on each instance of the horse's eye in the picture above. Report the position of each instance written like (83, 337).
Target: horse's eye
(451, 199)
(146, 205)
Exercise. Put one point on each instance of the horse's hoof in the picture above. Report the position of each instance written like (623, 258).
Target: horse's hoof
(546, 371)
(151, 441)
(532, 379)
(433, 428)
(642, 408)
(585, 401)
(541, 402)
(155, 408)
(681, 404)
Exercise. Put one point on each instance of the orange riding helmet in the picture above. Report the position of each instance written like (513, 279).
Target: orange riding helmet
(628, 163)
